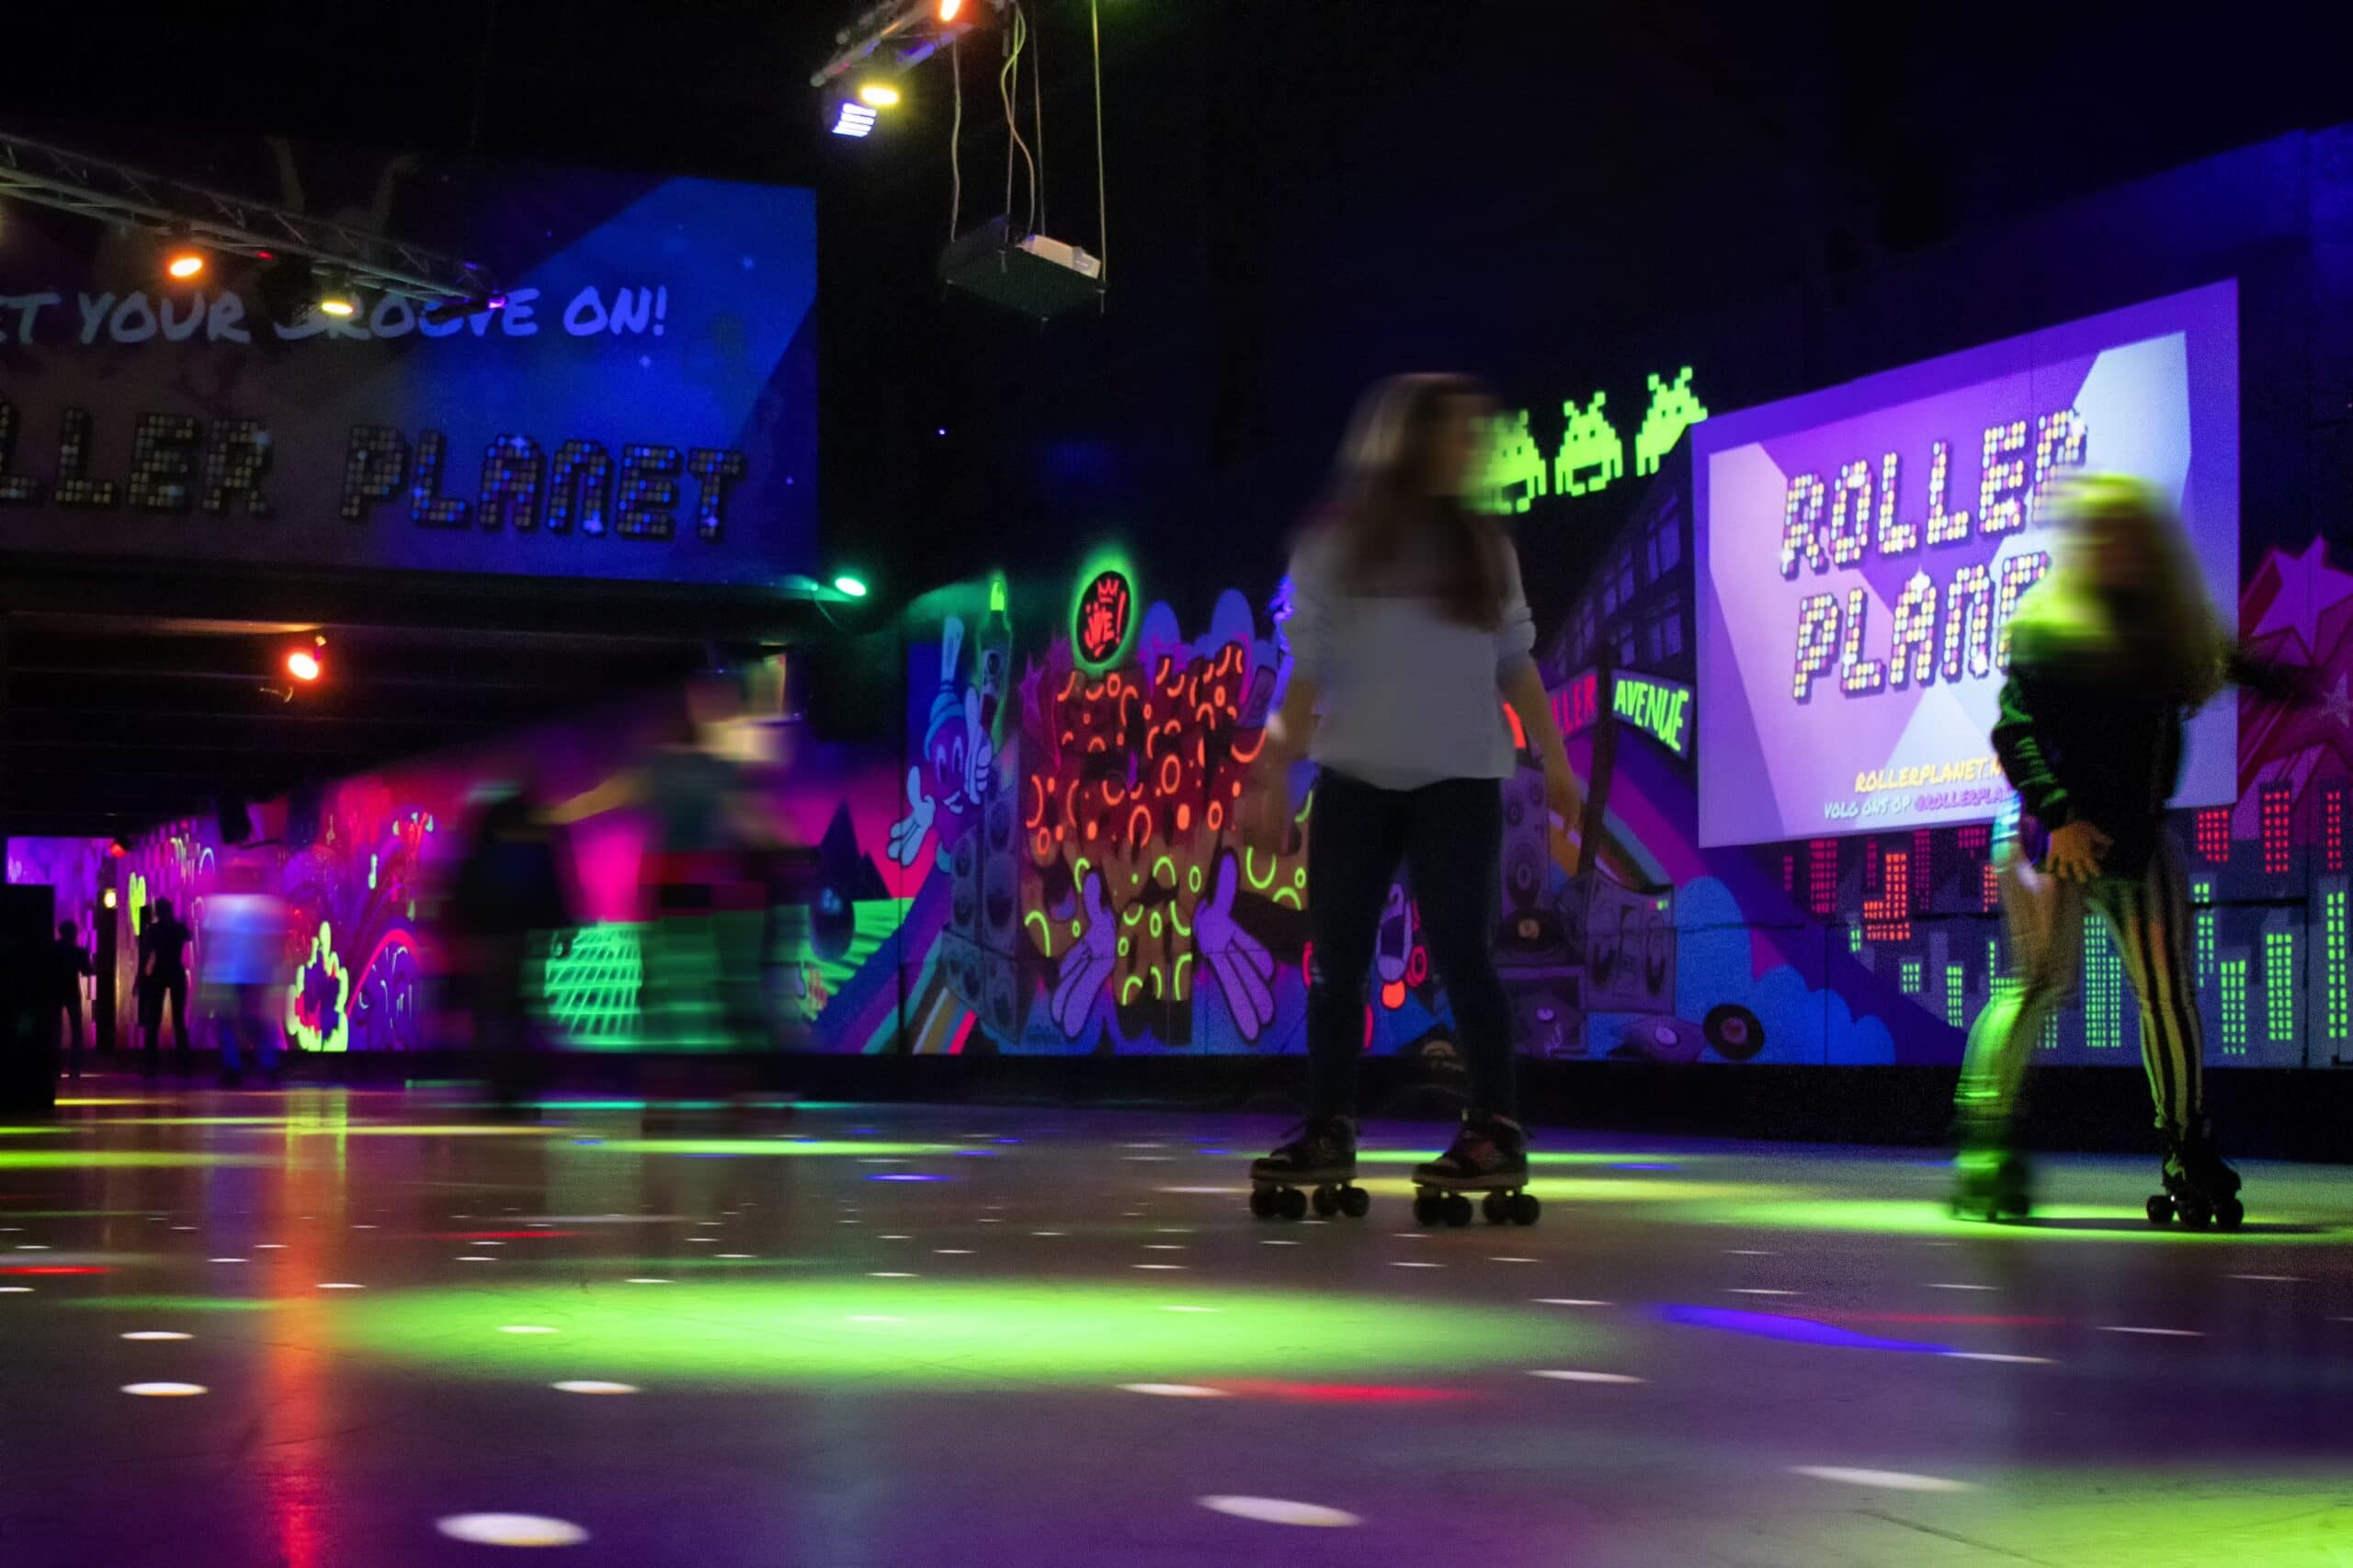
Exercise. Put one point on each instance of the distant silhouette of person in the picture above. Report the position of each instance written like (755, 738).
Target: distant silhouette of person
(69, 964)
(245, 969)
(509, 911)
(163, 965)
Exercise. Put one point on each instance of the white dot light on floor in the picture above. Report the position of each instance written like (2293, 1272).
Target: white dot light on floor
(2269, 1278)
(646, 1279)
(889, 1274)
(1165, 1268)
(1278, 1243)
(224, 1260)
(1567, 1301)
(164, 1390)
(1997, 1358)
(735, 1256)
(2158, 1333)
(1570, 1376)
(952, 1252)
(893, 1238)
(1282, 1511)
(1749, 1252)
(1752, 1290)
(1050, 1232)
(1174, 1390)
(591, 1385)
(1515, 1260)
(1886, 1480)
(15, 1290)
(157, 1333)
(1163, 1247)
(510, 1529)
(1410, 1265)
(269, 1246)
(1959, 1287)
(340, 1285)
(477, 1257)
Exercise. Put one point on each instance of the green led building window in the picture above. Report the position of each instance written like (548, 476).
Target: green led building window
(2201, 896)
(2279, 986)
(1956, 995)
(2337, 984)
(2103, 988)
(1912, 976)
(2234, 1006)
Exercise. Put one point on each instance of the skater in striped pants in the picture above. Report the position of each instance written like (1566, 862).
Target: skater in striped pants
(2108, 654)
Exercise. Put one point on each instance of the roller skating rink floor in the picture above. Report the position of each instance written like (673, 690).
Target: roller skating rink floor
(323, 1328)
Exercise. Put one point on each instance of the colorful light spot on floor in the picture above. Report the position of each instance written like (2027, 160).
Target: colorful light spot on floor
(1568, 1301)
(157, 1333)
(1176, 1391)
(1569, 1375)
(510, 1529)
(590, 1385)
(164, 1390)
(2000, 1359)
(1282, 1511)
(1886, 1480)
(2155, 1333)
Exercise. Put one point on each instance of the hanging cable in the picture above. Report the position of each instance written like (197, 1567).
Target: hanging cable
(1038, 122)
(955, 135)
(1102, 217)
(1017, 39)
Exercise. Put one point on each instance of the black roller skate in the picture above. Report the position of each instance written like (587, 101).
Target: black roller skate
(2200, 1190)
(1992, 1183)
(1319, 1159)
(1489, 1156)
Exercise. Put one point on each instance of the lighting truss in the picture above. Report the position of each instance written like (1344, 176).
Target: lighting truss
(900, 34)
(234, 225)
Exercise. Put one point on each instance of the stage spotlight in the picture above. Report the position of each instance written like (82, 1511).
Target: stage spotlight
(306, 665)
(877, 95)
(850, 587)
(856, 119)
(335, 299)
(184, 264)
(948, 9)
(106, 898)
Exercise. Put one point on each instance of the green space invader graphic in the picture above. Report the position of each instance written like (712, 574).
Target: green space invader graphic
(1590, 442)
(1673, 410)
(1515, 473)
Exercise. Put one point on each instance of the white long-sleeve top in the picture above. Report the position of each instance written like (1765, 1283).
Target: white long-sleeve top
(1408, 696)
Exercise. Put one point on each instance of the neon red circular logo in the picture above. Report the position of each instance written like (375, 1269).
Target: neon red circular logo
(1103, 616)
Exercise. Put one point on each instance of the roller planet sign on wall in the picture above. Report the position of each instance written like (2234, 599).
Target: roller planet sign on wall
(643, 409)
(1861, 551)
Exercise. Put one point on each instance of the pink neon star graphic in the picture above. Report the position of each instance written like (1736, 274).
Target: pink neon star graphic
(2309, 589)
(2338, 706)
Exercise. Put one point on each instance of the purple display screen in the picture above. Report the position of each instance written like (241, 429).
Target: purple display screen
(1862, 550)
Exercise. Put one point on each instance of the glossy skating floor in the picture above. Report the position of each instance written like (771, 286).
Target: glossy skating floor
(345, 1330)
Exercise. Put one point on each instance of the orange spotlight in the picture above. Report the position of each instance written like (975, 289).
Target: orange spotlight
(948, 9)
(304, 666)
(184, 264)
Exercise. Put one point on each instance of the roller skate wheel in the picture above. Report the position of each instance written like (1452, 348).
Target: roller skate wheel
(2228, 1213)
(1524, 1209)
(1427, 1209)
(1494, 1208)
(1355, 1202)
(1326, 1201)
(1262, 1203)
(1458, 1210)
(2160, 1209)
(1292, 1203)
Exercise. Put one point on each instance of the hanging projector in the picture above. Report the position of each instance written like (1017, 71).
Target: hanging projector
(1036, 276)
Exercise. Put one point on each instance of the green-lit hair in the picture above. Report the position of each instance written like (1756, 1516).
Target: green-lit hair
(2066, 613)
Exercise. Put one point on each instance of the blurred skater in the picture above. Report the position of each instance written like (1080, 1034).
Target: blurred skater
(509, 912)
(245, 969)
(69, 965)
(1409, 631)
(2108, 654)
